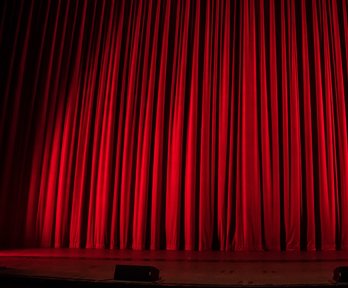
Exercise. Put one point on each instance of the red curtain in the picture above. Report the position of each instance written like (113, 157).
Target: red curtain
(174, 124)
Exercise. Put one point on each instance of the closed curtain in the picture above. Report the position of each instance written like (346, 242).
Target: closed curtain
(178, 124)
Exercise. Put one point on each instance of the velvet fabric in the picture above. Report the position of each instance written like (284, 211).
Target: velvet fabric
(174, 124)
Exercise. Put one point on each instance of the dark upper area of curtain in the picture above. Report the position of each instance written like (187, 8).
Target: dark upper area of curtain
(174, 124)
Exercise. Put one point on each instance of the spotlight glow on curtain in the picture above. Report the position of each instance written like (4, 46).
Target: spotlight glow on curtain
(174, 124)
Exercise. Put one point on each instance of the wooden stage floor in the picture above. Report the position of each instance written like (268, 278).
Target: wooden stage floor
(177, 268)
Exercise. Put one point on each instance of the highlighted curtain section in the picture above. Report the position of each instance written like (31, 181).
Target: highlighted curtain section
(179, 124)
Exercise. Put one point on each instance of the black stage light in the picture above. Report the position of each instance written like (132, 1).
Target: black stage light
(136, 273)
(341, 274)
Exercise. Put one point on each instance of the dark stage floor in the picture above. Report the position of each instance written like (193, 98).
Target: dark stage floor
(181, 268)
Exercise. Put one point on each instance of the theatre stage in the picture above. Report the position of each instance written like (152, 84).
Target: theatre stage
(86, 267)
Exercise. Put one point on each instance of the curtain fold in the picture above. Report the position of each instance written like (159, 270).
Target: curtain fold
(162, 124)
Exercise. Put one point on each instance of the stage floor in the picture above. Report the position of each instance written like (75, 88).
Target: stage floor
(179, 267)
